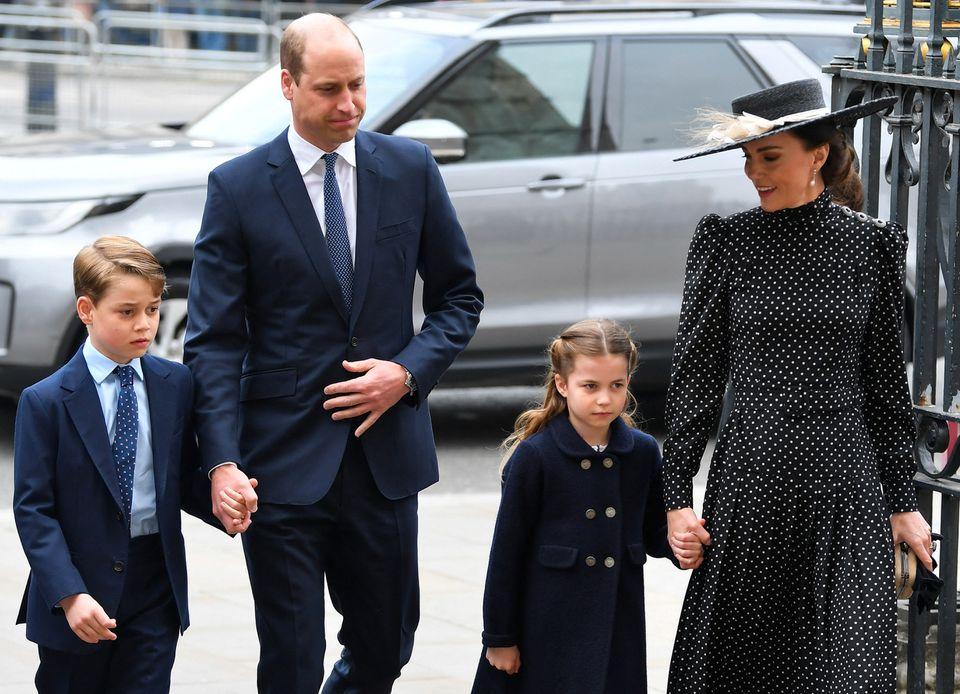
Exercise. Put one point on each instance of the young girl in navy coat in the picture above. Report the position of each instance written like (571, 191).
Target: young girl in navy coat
(581, 509)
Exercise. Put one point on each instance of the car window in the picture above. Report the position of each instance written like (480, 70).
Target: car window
(519, 101)
(395, 61)
(823, 49)
(658, 106)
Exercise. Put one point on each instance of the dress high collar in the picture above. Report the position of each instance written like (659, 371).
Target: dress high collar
(819, 204)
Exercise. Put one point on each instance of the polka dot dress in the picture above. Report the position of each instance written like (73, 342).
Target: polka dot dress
(801, 310)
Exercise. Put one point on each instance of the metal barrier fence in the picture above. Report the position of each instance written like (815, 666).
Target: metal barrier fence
(906, 52)
(65, 68)
(51, 64)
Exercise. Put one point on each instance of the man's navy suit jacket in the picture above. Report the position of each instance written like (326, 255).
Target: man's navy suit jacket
(268, 328)
(67, 502)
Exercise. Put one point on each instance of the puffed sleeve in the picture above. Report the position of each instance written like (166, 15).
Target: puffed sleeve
(887, 406)
(700, 361)
(518, 514)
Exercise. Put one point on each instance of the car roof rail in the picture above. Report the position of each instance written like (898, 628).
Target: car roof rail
(374, 4)
(547, 11)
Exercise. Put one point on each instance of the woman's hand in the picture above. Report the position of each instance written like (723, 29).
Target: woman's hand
(910, 527)
(506, 659)
(687, 536)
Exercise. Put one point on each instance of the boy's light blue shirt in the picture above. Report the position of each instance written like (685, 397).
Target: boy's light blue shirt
(143, 512)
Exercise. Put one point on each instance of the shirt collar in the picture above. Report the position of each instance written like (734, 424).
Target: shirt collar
(101, 366)
(308, 154)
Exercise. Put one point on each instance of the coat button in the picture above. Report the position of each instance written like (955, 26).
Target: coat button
(354, 341)
(590, 514)
(590, 560)
(607, 463)
(120, 516)
(609, 562)
(118, 567)
(585, 464)
(610, 511)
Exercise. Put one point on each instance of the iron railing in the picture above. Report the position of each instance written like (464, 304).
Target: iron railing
(909, 50)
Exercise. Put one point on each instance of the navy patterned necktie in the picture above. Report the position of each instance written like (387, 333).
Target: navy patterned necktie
(338, 242)
(125, 436)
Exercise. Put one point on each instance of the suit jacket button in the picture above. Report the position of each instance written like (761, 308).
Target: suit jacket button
(585, 464)
(120, 516)
(590, 560)
(354, 342)
(590, 514)
(610, 511)
(609, 562)
(607, 463)
(118, 567)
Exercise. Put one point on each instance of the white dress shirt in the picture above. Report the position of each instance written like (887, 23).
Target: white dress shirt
(143, 508)
(313, 168)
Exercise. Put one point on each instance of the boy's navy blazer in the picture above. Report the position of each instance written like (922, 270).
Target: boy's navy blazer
(268, 328)
(67, 501)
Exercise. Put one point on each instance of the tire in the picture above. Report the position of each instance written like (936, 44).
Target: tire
(173, 318)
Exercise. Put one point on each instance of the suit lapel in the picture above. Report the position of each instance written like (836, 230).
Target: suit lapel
(293, 194)
(163, 404)
(368, 209)
(83, 406)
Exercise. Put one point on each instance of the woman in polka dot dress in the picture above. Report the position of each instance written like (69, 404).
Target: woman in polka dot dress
(798, 304)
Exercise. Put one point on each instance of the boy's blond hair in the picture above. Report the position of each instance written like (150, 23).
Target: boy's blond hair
(109, 257)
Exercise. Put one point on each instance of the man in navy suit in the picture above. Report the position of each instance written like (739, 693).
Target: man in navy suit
(309, 375)
(104, 459)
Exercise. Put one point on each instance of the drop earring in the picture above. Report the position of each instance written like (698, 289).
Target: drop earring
(813, 178)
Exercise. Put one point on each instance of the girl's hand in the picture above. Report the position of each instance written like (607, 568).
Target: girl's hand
(687, 548)
(682, 522)
(506, 659)
(910, 527)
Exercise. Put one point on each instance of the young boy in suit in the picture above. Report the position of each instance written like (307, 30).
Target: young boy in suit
(104, 459)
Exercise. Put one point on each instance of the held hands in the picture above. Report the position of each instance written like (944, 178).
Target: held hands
(687, 537)
(379, 389)
(910, 527)
(506, 659)
(87, 619)
(234, 501)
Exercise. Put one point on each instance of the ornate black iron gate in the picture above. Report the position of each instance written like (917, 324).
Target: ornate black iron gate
(909, 49)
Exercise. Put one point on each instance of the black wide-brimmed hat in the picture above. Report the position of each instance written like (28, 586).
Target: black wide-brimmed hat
(779, 109)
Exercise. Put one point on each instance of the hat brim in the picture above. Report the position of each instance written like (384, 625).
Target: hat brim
(844, 116)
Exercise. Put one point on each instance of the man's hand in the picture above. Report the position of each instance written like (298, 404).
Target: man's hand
(87, 619)
(230, 477)
(910, 527)
(683, 527)
(506, 659)
(379, 389)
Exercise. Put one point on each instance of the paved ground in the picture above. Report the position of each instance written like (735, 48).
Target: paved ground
(219, 652)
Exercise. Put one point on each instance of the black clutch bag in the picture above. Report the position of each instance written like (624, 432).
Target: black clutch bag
(911, 577)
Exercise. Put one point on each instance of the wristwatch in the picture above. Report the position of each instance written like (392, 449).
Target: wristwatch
(409, 382)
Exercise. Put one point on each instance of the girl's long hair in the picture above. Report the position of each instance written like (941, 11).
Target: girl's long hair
(588, 338)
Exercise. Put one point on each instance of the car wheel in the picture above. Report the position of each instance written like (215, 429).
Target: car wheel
(173, 320)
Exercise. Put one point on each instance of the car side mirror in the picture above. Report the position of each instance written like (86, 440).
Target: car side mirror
(447, 141)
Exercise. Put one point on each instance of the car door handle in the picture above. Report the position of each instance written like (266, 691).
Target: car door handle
(556, 183)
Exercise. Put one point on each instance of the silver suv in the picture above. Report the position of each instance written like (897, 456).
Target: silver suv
(556, 126)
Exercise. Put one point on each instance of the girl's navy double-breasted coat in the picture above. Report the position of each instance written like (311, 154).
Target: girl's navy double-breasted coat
(565, 577)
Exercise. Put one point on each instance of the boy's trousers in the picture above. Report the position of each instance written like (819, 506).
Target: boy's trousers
(148, 627)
